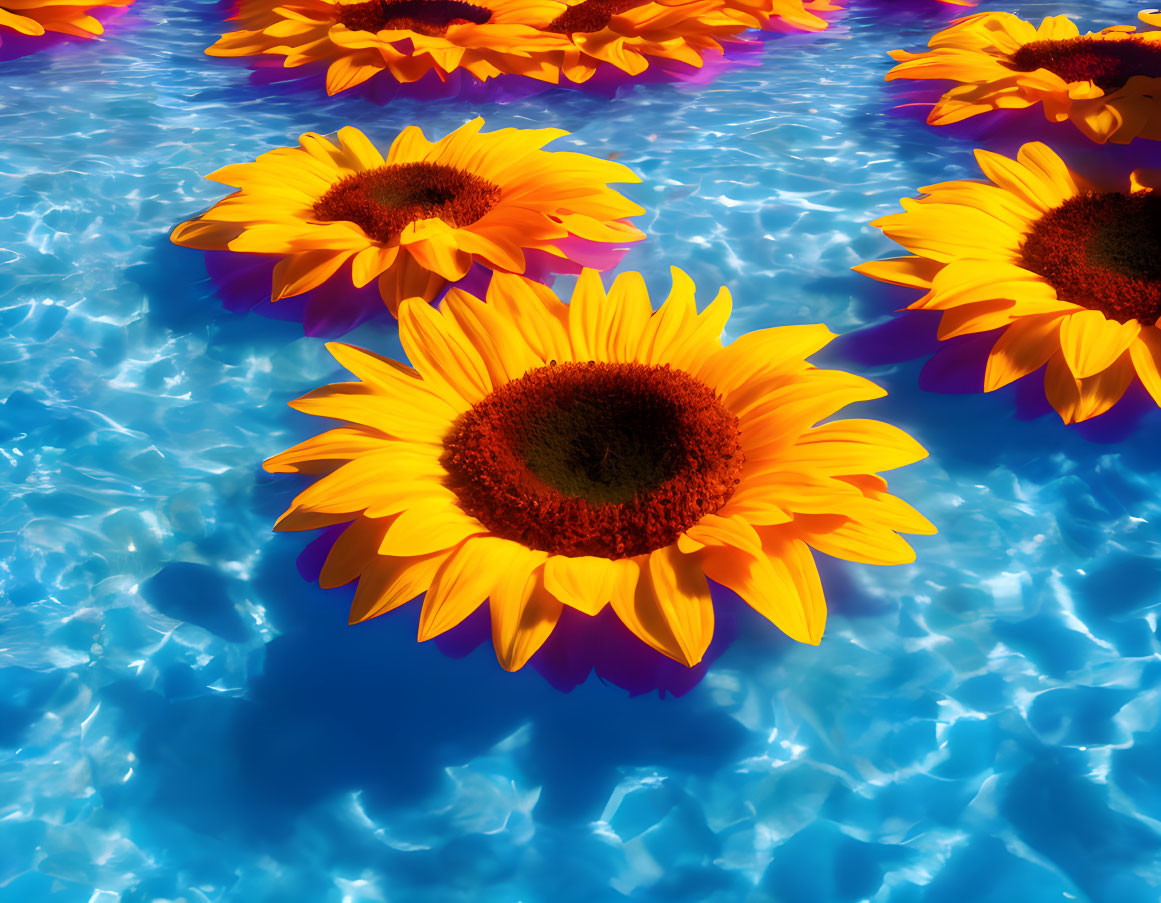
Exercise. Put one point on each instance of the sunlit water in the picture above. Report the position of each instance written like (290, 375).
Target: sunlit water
(183, 717)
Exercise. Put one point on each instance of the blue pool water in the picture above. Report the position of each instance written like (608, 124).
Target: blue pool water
(183, 718)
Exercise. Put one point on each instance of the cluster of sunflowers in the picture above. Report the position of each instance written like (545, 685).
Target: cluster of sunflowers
(541, 454)
(1066, 270)
(405, 40)
(601, 453)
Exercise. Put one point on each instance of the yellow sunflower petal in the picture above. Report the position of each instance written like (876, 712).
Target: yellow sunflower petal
(388, 582)
(678, 587)
(945, 232)
(759, 352)
(1025, 346)
(299, 273)
(501, 347)
(1091, 342)
(1077, 400)
(536, 312)
(585, 582)
(407, 278)
(854, 446)
(841, 537)
(350, 553)
(587, 326)
(1101, 391)
(440, 351)
(469, 575)
(1029, 182)
(636, 605)
(360, 147)
(915, 272)
(320, 454)
(429, 526)
(416, 416)
(400, 470)
(764, 584)
(523, 614)
(1146, 358)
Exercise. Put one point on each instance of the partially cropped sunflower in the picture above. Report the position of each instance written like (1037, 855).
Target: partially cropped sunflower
(783, 15)
(1108, 83)
(601, 453)
(404, 38)
(627, 34)
(417, 218)
(1071, 275)
(36, 17)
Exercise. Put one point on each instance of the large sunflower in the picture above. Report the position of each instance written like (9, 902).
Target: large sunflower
(600, 453)
(417, 218)
(406, 38)
(35, 17)
(1071, 275)
(1108, 83)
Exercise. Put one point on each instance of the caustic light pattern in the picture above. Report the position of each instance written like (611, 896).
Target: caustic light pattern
(1107, 83)
(38, 17)
(1070, 274)
(539, 39)
(417, 218)
(600, 453)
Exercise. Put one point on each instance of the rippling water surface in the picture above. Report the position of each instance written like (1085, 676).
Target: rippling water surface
(182, 717)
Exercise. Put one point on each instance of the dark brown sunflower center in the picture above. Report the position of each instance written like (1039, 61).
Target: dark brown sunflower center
(1103, 252)
(1108, 64)
(590, 15)
(386, 200)
(429, 17)
(611, 460)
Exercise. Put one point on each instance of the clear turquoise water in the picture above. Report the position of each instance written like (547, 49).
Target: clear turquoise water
(183, 718)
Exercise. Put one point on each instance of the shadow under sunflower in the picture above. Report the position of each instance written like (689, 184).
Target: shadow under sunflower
(351, 229)
(598, 454)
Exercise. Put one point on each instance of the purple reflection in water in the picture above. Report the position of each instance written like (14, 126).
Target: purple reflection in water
(580, 645)
(336, 307)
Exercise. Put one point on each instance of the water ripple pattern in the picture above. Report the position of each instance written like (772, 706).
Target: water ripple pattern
(183, 718)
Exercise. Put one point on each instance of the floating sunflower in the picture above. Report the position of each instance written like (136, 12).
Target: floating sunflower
(780, 15)
(36, 17)
(405, 38)
(417, 218)
(1071, 275)
(600, 453)
(627, 34)
(1108, 83)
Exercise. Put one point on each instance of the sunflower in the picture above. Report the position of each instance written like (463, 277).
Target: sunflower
(417, 218)
(35, 17)
(405, 38)
(1108, 83)
(780, 15)
(600, 453)
(1070, 274)
(626, 34)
